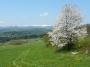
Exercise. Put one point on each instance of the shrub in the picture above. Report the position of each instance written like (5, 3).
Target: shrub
(84, 44)
(46, 40)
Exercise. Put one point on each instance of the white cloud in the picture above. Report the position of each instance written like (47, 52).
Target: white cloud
(44, 14)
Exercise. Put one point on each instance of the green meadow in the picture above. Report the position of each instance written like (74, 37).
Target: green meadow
(34, 53)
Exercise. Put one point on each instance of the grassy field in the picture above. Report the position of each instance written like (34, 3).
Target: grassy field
(35, 54)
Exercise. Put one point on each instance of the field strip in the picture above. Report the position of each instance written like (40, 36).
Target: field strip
(22, 55)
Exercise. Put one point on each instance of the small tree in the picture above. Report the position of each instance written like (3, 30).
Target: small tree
(68, 29)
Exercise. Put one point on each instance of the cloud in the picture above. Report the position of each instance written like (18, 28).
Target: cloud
(44, 14)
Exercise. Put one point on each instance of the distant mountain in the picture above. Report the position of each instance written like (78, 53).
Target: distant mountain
(23, 28)
(22, 32)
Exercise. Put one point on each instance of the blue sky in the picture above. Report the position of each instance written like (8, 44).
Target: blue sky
(37, 12)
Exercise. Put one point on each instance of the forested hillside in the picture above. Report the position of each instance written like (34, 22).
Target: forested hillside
(10, 33)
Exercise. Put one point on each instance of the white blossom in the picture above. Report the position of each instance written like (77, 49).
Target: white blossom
(69, 26)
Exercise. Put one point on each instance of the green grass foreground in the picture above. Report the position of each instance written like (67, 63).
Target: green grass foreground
(35, 54)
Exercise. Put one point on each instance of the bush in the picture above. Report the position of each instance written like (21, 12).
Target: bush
(46, 40)
(84, 44)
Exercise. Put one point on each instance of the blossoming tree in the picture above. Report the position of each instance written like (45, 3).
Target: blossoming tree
(69, 28)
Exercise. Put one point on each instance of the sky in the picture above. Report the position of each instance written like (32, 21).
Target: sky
(37, 12)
